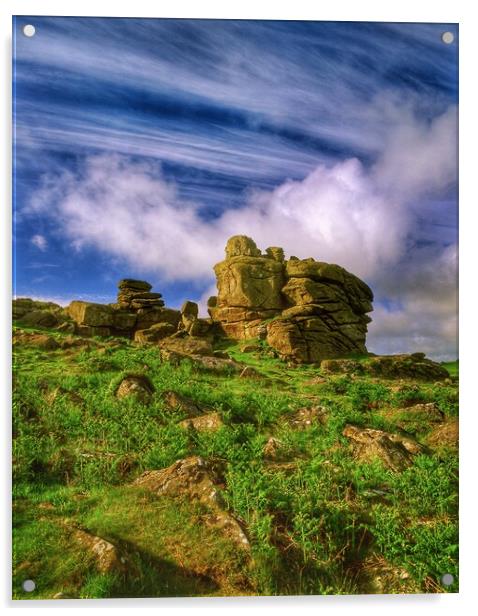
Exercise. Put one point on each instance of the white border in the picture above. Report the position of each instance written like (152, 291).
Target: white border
(353, 10)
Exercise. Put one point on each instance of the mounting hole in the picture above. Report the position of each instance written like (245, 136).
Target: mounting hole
(447, 579)
(28, 585)
(29, 30)
(448, 37)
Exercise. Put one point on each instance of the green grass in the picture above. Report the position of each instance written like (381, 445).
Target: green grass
(312, 527)
(452, 367)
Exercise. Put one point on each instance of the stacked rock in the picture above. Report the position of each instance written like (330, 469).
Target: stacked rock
(136, 295)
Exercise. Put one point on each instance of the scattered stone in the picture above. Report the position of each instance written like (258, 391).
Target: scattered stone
(428, 411)
(446, 434)
(192, 477)
(204, 423)
(305, 417)
(135, 385)
(216, 364)
(341, 366)
(230, 526)
(414, 366)
(24, 305)
(250, 373)
(106, 555)
(40, 341)
(395, 451)
(196, 479)
(178, 402)
(273, 448)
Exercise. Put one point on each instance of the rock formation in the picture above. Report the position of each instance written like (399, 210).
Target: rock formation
(306, 309)
(138, 313)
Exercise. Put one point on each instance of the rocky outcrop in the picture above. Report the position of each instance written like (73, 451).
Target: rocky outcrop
(138, 314)
(306, 309)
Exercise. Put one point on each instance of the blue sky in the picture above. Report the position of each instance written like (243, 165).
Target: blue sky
(142, 144)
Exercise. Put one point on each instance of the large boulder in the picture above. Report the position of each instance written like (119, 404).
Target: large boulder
(187, 345)
(89, 313)
(308, 310)
(148, 318)
(40, 318)
(250, 282)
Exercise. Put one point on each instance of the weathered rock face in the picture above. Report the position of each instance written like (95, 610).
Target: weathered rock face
(307, 310)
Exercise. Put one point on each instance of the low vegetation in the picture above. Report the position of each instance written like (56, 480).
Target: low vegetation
(319, 519)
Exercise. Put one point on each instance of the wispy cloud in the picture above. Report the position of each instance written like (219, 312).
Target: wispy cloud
(40, 242)
(336, 141)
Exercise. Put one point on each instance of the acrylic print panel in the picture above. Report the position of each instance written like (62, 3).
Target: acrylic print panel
(206, 214)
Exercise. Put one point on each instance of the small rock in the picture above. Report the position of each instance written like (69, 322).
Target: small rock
(197, 479)
(134, 385)
(429, 411)
(250, 373)
(230, 527)
(446, 434)
(305, 417)
(207, 422)
(272, 448)
(106, 555)
(175, 401)
(192, 477)
(395, 451)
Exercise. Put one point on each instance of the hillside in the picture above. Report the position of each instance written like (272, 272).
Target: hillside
(282, 478)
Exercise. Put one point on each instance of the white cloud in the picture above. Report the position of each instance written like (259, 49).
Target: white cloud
(424, 316)
(343, 213)
(40, 242)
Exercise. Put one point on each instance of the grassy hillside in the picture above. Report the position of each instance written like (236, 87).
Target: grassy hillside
(318, 519)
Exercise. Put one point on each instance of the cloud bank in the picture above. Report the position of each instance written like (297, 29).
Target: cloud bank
(361, 218)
